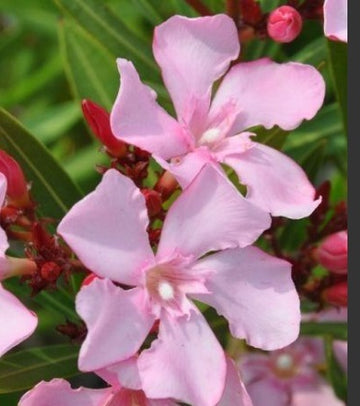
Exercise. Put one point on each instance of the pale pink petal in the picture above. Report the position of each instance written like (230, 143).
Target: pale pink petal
(210, 215)
(266, 393)
(124, 373)
(107, 230)
(235, 393)
(137, 119)
(186, 362)
(274, 182)
(192, 54)
(58, 392)
(3, 186)
(267, 93)
(186, 167)
(4, 245)
(233, 145)
(117, 321)
(335, 19)
(256, 294)
(17, 323)
(321, 395)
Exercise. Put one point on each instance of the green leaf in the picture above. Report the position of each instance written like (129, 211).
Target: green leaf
(338, 65)
(148, 10)
(275, 137)
(52, 188)
(24, 369)
(335, 374)
(336, 330)
(51, 123)
(111, 32)
(90, 68)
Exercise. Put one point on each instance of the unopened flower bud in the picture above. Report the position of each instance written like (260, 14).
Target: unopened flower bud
(284, 24)
(17, 190)
(153, 201)
(50, 271)
(99, 122)
(332, 253)
(337, 295)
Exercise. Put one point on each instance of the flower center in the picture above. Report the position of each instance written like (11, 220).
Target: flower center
(166, 290)
(209, 136)
(284, 362)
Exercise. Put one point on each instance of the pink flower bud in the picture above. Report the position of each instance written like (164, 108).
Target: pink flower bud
(284, 24)
(99, 121)
(17, 190)
(332, 253)
(153, 201)
(337, 295)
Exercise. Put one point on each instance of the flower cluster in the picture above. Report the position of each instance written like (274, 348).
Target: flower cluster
(157, 259)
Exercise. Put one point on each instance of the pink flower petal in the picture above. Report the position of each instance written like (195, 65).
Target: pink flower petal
(192, 54)
(235, 393)
(321, 395)
(16, 321)
(186, 167)
(58, 392)
(4, 245)
(107, 230)
(274, 182)
(210, 215)
(117, 321)
(124, 374)
(137, 119)
(255, 292)
(186, 362)
(268, 94)
(335, 19)
(266, 392)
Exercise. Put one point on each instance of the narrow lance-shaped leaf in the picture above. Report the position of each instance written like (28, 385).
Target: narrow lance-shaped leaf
(90, 68)
(24, 369)
(338, 66)
(52, 188)
(109, 30)
(335, 374)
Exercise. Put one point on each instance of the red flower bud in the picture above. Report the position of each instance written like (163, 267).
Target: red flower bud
(337, 295)
(99, 121)
(153, 201)
(284, 24)
(17, 190)
(332, 253)
(50, 271)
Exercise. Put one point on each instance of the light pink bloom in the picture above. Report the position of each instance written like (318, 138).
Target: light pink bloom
(288, 377)
(335, 19)
(332, 253)
(17, 323)
(193, 53)
(254, 291)
(58, 392)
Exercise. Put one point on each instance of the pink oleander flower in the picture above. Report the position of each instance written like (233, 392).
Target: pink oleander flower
(193, 53)
(288, 377)
(284, 24)
(125, 390)
(335, 19)
(332, 253)
(17, 323)
(254, 291)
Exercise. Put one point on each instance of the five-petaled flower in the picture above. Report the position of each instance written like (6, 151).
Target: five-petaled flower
(254, 291)
(193, 53)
